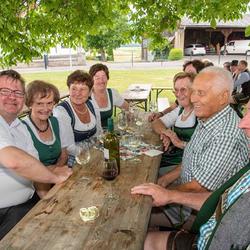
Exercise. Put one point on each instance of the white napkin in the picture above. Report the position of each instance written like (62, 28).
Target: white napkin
(152, 152)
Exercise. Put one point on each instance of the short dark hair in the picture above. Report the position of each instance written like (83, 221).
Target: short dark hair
(42, 88)
(197, 64)
(234, 63)
(98, 67)
(80, 76)
(182, 75)
(13, 75)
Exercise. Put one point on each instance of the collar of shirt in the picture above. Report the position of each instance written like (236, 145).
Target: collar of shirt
(14, 124)
(214, 120)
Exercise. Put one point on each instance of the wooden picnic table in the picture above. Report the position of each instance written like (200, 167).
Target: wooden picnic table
(158, 91)
(138, 94)
(54, 223)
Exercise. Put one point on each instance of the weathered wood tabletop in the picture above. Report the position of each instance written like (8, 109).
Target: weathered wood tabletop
(138, 93)
(54, 223)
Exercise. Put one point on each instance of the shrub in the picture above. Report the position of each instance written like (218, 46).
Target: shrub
(90, 57)
(175, 54)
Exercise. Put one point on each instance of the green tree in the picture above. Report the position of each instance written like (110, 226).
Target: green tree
(152, 17)
(30, 27)
(109, 38)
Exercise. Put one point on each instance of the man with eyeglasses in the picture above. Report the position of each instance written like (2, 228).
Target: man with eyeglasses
(217, 149)
(18, 158)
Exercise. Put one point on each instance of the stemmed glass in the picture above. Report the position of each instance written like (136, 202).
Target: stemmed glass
(138, 120)
(82, 153)
(109, 173)
(122, 121)
(134, 142)
(152, 107)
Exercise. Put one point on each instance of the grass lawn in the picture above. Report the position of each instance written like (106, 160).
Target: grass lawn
(119, 79)
(125, 54)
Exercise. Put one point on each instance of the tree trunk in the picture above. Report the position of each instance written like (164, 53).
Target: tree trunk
(103, 56)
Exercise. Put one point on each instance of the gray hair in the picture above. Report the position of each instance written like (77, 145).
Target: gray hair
(222, 79)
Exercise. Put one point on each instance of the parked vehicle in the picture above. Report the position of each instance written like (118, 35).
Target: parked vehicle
(236, 47)
(194, 49)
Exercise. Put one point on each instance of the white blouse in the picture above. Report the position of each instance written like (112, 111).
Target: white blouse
(174, 119)
(118, 100)
(65, 124)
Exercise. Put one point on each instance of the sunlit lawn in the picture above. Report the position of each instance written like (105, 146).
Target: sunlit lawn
(119, 79)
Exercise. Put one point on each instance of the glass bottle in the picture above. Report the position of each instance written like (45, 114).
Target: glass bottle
(111, 144)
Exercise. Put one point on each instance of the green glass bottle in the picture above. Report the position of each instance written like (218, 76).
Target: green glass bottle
(111, 144)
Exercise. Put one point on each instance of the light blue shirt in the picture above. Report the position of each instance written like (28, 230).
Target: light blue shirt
(231, 195)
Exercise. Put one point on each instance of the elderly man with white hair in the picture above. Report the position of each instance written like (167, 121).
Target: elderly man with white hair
(217, 150)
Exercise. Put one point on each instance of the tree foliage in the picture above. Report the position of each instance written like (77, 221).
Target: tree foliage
(110, 38)
(30, 27)
(151, 17)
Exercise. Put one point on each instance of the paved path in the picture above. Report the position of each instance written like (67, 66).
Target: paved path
(218, 61)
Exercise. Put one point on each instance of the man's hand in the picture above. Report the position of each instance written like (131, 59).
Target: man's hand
(62, 173)
(154, 116)
(160, 195)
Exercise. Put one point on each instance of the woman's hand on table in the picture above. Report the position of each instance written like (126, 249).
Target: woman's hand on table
(62, 172)
(159, 194)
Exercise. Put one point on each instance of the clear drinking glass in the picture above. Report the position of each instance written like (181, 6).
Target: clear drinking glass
(152, 106)
(122, 122)
(138, 120)
(109, 173)
(134, 142)
(82, 153)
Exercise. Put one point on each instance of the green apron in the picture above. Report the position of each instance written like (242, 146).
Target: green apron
(107, 114)
(173, 156)
(48, 154)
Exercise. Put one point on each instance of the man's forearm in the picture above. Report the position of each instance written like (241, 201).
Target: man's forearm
(193, 200)
(170, 177)
(26, 166)
(193, 186)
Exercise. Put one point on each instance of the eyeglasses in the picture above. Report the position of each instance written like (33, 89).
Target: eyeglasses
(181, 91)
(8, 92)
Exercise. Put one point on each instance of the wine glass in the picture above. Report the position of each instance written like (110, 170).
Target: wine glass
(98, 139)
(82, 153)
(122, 121)
(152, 107)
(139, 120)
(134, 142)
(109, 173)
